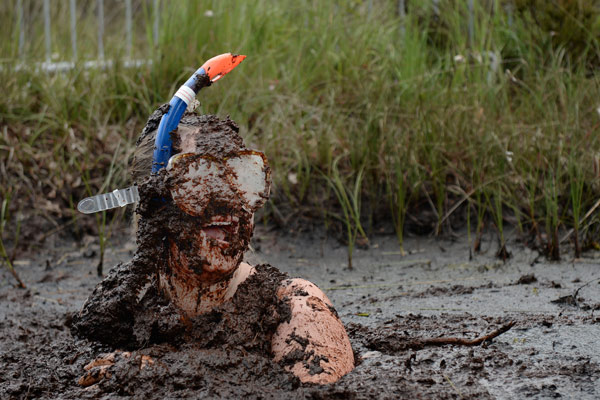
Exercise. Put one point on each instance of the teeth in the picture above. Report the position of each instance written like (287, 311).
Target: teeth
(223, 220)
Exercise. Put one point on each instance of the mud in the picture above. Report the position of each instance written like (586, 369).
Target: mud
(216, 137)
(552, 351)
(188, 357)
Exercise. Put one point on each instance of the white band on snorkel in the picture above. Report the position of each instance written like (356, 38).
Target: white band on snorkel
(186, 94)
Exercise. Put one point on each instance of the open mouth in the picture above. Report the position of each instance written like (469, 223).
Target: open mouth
(221, 228)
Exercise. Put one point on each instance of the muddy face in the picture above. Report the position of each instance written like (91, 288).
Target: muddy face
(201, 181)
(206, 249)
(216, 185)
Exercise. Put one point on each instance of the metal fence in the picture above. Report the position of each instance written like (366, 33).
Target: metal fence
(127, 9)
(95, 7)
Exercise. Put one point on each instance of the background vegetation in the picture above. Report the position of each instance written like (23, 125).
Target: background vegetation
(432, 119)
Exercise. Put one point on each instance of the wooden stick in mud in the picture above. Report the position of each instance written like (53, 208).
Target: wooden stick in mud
(12, 270)
(442, 341)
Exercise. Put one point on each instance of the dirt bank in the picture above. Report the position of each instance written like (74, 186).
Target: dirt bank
(387, 302)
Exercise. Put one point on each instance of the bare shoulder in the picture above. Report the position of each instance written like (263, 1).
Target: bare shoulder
(301, 288)
(313, 345)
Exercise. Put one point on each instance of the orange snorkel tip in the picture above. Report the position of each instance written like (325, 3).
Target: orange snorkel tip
(220, 65)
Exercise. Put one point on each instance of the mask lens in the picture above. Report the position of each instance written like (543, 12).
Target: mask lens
(250, 176)
(195, 180)
(198, 180)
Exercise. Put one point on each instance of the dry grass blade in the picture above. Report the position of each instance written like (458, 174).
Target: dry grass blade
(4, 218)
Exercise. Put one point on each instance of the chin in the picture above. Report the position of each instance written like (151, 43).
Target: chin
(219, 263)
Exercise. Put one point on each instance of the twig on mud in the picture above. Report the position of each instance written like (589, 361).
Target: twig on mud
(584, 285)
(13, 272)
(581, 287)
(442, 341)
(571, 299)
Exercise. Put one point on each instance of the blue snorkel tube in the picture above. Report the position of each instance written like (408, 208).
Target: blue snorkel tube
(212, 70)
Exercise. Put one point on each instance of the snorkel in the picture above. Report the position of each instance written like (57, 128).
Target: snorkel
(211, 71)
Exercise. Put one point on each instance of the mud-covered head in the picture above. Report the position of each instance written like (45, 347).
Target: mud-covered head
(212, 171)
(212, 185)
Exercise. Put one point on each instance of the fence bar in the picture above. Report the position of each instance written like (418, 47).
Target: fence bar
(20, 27)
(128, 27)
(471, 21)
(401, 9)
(509, 12)
(155, 28)
(47, 30)
(100, 29)
(436, 7)
(402, 15)
(73, 28)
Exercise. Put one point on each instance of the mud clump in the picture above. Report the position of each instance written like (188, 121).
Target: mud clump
(456, 290)
(526, 279)
(216, 137)
(189, 372)
(250, 319)
(108, 315)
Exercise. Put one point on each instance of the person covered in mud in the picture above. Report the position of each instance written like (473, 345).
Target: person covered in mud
(187, 281)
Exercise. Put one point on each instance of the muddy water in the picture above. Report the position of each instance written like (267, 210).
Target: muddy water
(386, 301)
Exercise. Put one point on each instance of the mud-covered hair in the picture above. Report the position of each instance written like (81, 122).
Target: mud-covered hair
(216, 137)
(144, 146)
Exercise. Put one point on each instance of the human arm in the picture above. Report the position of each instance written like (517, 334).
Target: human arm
(314, 344)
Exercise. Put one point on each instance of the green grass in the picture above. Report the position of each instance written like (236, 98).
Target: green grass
(349, 200)
(327, 83)
(5, 218)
